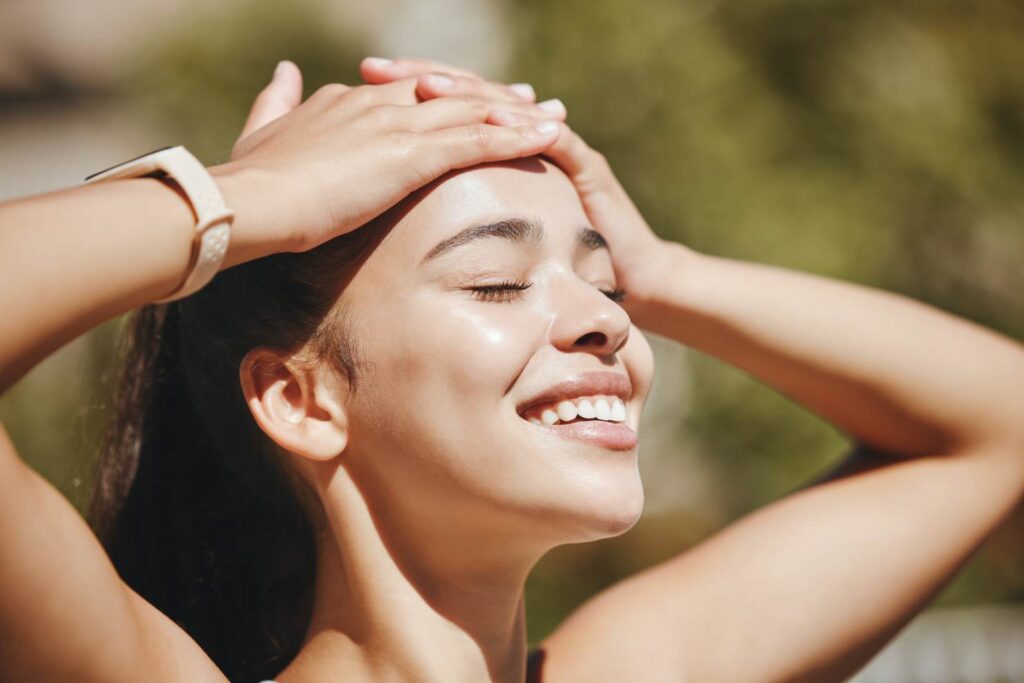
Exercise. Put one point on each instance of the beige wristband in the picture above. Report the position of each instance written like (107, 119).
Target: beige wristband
(213, 219)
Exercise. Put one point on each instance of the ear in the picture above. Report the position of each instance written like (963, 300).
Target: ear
(299, 407)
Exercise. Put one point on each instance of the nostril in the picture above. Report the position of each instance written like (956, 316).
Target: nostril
(593, 339)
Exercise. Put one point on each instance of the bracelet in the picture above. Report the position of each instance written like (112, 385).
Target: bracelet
(213, 220)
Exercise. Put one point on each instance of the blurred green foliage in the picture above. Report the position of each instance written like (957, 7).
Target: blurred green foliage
(202, 78)
(877, 142)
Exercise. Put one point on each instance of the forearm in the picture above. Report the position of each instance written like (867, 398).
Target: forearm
(72, 259)
(887, 370)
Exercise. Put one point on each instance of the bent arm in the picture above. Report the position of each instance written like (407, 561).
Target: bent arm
(889, 371)
(70, 260)
(74, 258)
(824, 577)
(811, 586)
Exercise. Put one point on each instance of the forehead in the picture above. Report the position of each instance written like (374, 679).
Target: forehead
(530, 188)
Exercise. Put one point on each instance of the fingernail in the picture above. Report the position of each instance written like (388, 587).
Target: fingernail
(547, 127)
(279, 69)
(439, 81)
(553, 106)
(378, 62)
(524, 90)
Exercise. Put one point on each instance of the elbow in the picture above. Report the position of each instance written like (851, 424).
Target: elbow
(1003, 445)
(997, 417)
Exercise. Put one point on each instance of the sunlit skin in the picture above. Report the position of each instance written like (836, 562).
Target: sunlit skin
(439, 496)
(444, 497)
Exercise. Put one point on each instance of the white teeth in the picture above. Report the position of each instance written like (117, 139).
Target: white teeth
(611, 409)
(586, 409)
(566, 411)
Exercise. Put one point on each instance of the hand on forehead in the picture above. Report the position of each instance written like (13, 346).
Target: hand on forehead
(531, 189)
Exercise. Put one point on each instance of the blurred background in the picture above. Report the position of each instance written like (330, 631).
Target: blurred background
(880, 142)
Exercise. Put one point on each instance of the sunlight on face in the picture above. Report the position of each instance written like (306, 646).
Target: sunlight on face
(490, 288)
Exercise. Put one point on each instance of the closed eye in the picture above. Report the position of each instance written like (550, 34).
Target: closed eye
(616, 295)
(510, 291)
(501, 291)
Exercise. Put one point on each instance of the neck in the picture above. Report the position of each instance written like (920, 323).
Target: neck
(411, 606)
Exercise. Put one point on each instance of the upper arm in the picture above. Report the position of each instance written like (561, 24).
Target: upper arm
(65, 614)
(807, 588)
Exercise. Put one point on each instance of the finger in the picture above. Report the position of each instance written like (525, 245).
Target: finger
(400, 92)
(280, 96)
(573, 155)
(464, 146)
(438, 84)
(447, 112)
(524, 90)
(379, 70)
(591, 174)
(549, 109)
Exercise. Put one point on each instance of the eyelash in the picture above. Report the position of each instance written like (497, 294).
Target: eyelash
(503, 292)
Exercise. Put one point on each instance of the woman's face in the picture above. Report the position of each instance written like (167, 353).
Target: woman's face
(450, 372)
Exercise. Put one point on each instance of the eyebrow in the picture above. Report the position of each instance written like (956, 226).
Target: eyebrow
(514, 229)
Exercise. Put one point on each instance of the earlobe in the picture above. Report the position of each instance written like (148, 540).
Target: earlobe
(293, 404)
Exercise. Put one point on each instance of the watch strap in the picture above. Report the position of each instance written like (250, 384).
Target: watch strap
(213, 218)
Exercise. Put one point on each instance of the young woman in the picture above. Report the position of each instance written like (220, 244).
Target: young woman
(341, 459)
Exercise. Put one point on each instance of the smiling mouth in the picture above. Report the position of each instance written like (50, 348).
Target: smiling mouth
(588, 408)
(597, 420)
(583, 409)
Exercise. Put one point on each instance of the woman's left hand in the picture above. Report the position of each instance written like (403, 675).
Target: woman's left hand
(640, 257)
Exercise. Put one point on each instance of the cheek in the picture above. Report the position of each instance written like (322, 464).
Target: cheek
(638, 358)
(445, 370)
(475, 347)
(434, 402)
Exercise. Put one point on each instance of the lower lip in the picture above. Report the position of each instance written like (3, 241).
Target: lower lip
(613, 435)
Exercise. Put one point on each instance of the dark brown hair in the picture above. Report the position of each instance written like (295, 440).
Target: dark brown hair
(191, 499)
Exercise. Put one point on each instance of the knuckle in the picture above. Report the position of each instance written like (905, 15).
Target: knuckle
(331, 91)
(362, 96)
(403, 143)
(384, 115)
(475, 105)
(481, 138)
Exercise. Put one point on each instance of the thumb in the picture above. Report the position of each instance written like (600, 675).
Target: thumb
(280, 96)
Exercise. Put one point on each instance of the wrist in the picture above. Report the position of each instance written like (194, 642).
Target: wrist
(256, 231)
(665, 292)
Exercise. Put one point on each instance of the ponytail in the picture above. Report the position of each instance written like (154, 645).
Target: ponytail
(198, 511)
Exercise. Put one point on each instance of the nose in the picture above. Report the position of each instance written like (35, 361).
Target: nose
(588, 321)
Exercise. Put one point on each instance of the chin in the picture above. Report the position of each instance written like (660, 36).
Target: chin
(610, 511)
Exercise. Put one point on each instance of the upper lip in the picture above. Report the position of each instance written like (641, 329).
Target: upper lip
(586, 384)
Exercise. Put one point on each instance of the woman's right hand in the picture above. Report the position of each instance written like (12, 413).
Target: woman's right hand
(304, 173)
